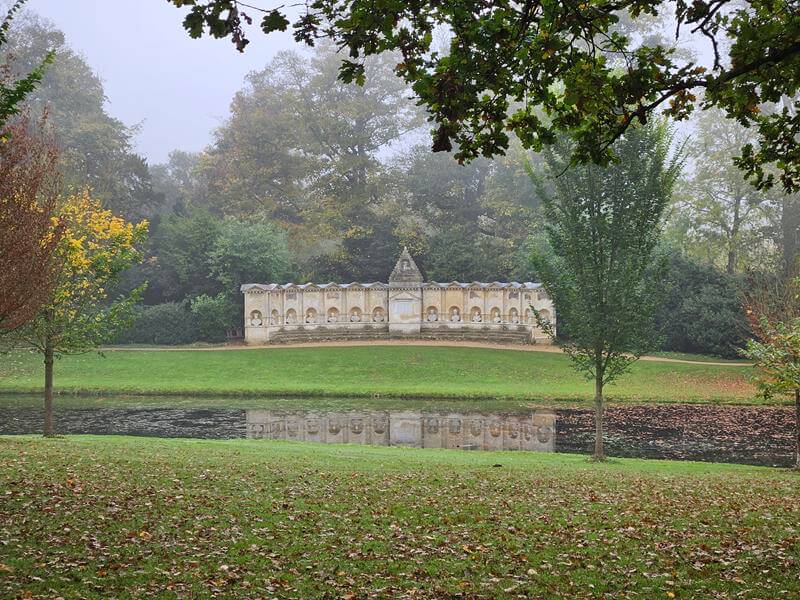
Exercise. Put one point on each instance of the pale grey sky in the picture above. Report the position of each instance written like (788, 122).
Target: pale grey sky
(178, 88)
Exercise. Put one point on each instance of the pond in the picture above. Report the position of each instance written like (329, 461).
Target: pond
(757, 435)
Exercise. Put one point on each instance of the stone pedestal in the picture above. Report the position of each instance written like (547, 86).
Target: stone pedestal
(405, 307)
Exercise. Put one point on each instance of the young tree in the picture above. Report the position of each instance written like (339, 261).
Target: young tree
(30, 185)
(509, 63)
(77, 316)
(773, 309)
(603, 225)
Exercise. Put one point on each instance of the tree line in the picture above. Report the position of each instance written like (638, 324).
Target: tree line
(312, 179)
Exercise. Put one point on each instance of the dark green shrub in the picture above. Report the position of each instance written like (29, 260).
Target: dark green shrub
(170, 324)
(213, 317)
(702, 311)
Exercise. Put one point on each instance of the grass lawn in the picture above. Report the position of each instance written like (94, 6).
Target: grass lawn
(369, 371)
(138, 517)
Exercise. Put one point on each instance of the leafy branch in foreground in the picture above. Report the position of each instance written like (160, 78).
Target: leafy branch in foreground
(13, 92)
(538, 68)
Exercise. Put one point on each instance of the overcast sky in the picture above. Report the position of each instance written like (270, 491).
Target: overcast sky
(178, 88)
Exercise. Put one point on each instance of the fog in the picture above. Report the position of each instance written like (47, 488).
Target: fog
(178, 89)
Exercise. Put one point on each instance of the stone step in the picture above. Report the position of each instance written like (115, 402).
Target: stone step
(500, 337)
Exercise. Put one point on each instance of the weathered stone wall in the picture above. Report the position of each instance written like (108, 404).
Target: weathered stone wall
(435, 311)
(405, 307)
(409, 428)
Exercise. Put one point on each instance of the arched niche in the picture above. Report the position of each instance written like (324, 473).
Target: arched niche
(291, 317)
(513, 315)
(378, 315)
(432, 314)
(355, 315)
(333, 315)
(454, 313)
(495, 315)
(256, 319)
(475, 315)
(274, 318)
(311, 315)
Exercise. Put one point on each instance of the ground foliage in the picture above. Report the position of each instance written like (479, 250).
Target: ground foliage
(128, 517)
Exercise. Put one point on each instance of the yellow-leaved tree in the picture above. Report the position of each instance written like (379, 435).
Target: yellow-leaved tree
(78, 316)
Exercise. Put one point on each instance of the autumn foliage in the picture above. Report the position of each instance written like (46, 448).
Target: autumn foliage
(78, 313)
(772, 306)
(30, 185)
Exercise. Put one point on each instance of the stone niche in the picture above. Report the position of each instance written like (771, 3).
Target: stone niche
(532, 432)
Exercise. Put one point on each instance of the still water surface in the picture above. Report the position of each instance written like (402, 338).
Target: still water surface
(743, 434)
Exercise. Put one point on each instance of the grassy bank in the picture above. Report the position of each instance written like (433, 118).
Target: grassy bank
(138, 517)
(389, 371)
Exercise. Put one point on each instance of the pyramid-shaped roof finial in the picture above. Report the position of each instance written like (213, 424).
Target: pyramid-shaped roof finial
(406, 270)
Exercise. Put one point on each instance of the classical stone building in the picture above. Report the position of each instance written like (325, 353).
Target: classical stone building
(406, 307)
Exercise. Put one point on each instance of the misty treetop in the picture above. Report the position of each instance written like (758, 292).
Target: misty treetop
(535, 68)
(96, 148)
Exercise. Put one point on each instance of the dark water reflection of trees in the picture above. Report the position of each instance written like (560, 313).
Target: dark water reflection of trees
(743, 434)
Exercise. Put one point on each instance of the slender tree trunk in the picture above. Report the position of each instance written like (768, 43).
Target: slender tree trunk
(733, 238)
(599, 454)
(790, 224)
(797, 429)
(730, 268)
(48, 389)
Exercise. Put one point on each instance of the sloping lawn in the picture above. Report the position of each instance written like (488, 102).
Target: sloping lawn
(399, 371)
(137, 517)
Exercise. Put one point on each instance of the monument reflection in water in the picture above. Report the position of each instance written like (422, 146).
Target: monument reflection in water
(533, 432)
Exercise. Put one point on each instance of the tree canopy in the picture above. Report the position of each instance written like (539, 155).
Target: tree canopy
(537, 68)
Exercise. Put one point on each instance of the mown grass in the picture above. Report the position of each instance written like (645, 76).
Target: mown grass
(136, 517)
(367, 371)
